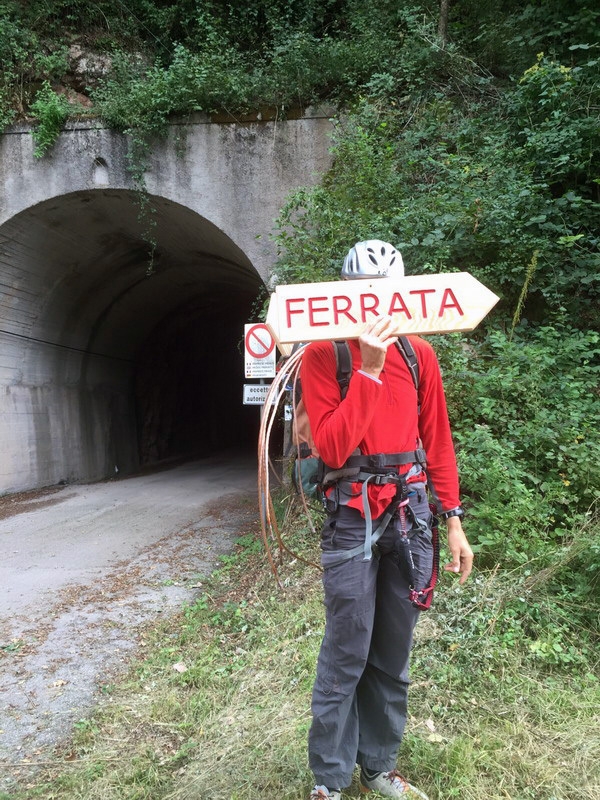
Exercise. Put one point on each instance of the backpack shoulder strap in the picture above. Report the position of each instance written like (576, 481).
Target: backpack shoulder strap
(410, 357)
(343, 361)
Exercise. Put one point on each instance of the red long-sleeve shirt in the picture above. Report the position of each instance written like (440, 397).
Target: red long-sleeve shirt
(381, 417)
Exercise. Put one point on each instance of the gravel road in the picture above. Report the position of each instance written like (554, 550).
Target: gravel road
(82, 568)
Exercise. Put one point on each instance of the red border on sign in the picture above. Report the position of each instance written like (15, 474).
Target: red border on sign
(269, 344)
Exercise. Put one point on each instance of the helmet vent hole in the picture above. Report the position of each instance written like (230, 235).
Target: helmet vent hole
(372, 259)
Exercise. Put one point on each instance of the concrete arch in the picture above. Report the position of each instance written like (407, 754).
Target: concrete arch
(238, 175)
(104, 367)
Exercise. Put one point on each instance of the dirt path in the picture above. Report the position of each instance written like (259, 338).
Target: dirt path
(82, 569)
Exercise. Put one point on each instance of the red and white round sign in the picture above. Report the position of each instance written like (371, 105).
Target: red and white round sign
(259, 346)
(259, 341)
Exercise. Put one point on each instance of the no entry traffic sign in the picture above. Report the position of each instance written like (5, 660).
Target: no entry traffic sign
(259, 346)
(259, 340)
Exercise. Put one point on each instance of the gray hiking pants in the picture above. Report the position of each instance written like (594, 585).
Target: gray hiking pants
(359, 701)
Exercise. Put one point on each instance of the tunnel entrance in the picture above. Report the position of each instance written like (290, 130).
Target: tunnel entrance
(107, 365)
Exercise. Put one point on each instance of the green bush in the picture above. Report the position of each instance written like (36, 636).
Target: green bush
(526, 416)
(51, 111)
(462, 187)
(27, 59)
(546, 610)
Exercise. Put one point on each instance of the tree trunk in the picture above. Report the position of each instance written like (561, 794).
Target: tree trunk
(443, 22)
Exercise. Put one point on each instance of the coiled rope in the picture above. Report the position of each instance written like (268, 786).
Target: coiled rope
(287, 376)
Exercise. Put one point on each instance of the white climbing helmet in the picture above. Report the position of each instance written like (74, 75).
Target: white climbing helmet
(373, 259)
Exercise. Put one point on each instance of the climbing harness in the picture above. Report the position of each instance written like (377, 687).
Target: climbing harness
(399, 508)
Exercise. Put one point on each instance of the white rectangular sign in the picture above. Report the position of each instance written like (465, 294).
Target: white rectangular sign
(255, 393)
(437, 303)
(259, 351)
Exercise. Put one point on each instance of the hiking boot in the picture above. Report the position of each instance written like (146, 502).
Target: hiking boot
(323, 793)
(390, 784)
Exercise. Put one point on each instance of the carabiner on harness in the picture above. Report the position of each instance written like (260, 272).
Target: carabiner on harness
(421, 598)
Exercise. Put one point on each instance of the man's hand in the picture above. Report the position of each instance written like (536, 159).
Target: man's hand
(460, 550)
(374, 343)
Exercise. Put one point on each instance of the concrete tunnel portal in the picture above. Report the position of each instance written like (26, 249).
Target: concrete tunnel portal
(106, 367)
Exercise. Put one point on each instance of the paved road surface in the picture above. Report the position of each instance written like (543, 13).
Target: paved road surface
(83, 567)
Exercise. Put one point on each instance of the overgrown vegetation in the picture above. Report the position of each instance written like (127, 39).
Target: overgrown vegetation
(455, 182)
(140, 61)
(482, 154)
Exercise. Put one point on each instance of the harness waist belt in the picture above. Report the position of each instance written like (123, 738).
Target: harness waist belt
(377, 478)
(387, 460)
(379, 466)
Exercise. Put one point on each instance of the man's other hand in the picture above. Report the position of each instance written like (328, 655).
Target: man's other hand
(460, 550)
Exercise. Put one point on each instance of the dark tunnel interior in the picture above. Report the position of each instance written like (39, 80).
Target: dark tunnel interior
(188, 382)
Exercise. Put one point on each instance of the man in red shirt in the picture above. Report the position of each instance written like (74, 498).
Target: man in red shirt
(377, 539)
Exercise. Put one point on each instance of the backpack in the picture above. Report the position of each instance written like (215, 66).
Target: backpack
(307, 467)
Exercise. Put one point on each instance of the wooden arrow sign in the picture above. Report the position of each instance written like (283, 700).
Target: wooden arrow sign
(439, 303)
